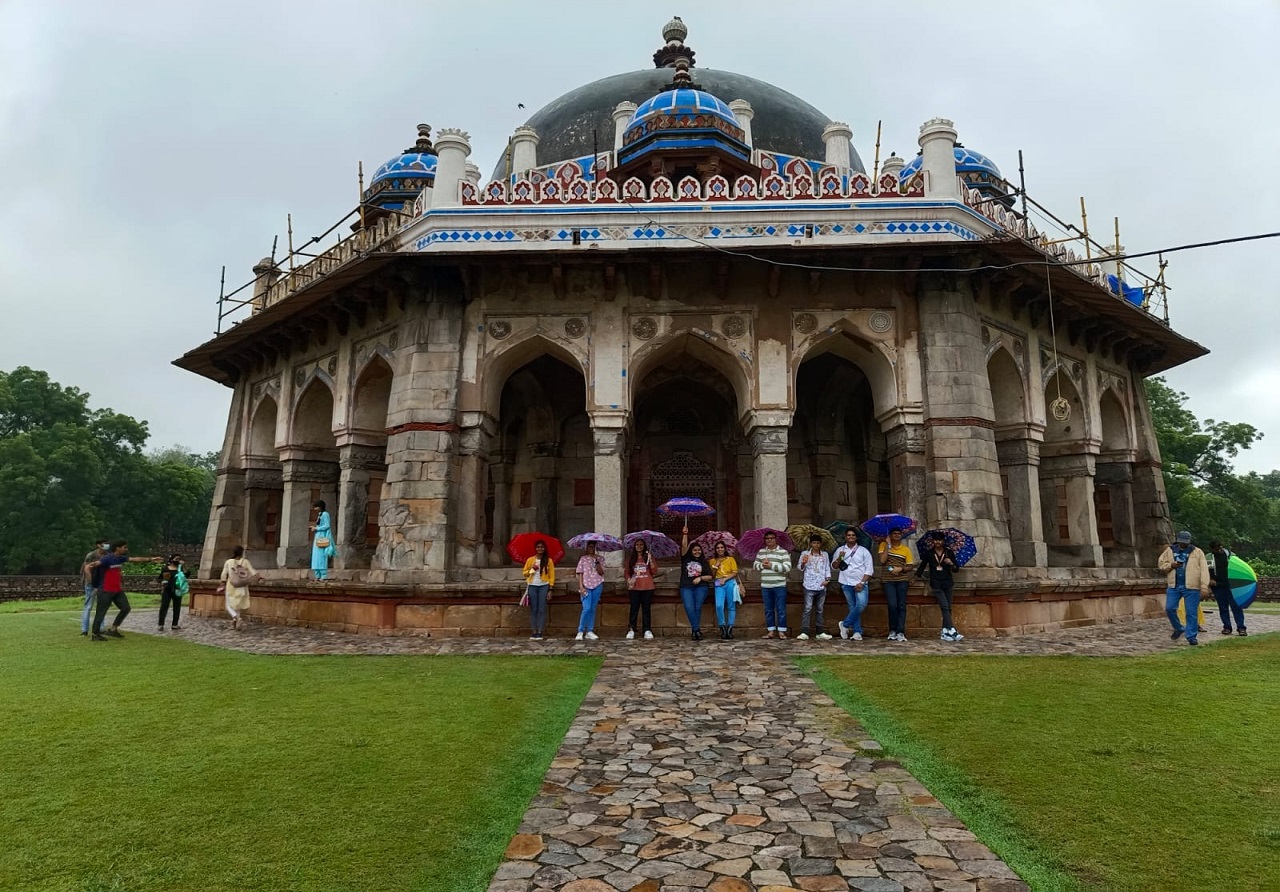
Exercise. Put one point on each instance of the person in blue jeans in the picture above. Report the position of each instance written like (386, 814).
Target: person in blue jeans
(695, 580)
(1220, 582)
(1188, 582)
(853, 564)
(590, 573)
(725, 568)
(773, 563)
(92, 575)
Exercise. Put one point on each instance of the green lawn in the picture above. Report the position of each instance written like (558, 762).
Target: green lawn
(74, 602)
(1143, 773)
(151, 763)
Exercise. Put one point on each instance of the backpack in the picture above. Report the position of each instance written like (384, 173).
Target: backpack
(239, 575)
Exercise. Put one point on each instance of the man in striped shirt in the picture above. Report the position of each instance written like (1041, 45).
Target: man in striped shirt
(774, 563)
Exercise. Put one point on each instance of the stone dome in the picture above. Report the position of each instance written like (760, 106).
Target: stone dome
(783, 122)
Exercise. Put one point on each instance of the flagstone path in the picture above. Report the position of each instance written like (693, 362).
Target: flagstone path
(721, 766)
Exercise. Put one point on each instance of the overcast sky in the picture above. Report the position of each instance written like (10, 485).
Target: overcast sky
(144, 145)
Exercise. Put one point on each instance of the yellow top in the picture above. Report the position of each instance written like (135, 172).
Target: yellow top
(899, 557)
(548, 571)
(724, 567)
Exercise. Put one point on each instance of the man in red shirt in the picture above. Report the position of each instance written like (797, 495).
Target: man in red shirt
(112, 591)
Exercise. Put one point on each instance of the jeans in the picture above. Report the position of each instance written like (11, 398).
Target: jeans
(590, 601)
(694, 596)
(167, 598)
(90, 601)
(538, 608)
(105, 600)
(775, 607)
(1227, 607)
(813, 598)
(856, 598)
(895, 595)
(1191, 597)
(641, 598)
(726, 603)
(942, 593)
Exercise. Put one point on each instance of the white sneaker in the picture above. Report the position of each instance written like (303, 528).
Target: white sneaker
(578, 637)
(946, 635)
(803, 636)
(631, 633)
(902, 638)
(857, 636)
(844, 631)
(592, 636)
(648, 636)
(822, 636)
(956, 636)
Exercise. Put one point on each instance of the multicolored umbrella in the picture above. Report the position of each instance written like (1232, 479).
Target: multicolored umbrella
(838, 528)
(604, 542)
(522, 544)
(753, 540)
(686, 506)
(1244, 581)
(660, 545)
(800, 533)
(879, 526)
(960, 543)
(709, 539)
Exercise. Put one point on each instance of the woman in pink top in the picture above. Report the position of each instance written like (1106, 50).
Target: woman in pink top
(590, 574)
(640, 568)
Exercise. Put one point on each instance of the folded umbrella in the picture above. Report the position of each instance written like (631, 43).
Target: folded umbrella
(660, 545)
(753, 540)
(800, 533)
(604, 542)
(879, 526)
(522, 544)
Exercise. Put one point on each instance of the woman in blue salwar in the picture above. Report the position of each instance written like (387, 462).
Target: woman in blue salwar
(321, 542)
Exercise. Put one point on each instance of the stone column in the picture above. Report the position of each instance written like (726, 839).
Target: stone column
(262, 485)
(1152, 526)
(1076, 473)
(769, 467)
(1020, 461)
(908, 471)
(226, 513)
(475, 443)
(301, 477)
(1116, 474)
(357, 463)
(609, 436)
(825, 467)
(500, 474)
(959, 418)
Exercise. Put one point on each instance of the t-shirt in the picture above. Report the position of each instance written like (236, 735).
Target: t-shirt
(641, 577)
(589, 569)
(92, 575)
(110, 567)
(724, 567)
(899, 558)
(816, 569)
(691, 568)
(1180, 557)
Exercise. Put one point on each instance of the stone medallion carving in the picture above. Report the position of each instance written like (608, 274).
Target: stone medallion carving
(644, 328)
(806, 323)
(499, 329)
(332, 366)
(734, 327)
(880, 322)
(394, 340)
(575, 328)
(299, 375)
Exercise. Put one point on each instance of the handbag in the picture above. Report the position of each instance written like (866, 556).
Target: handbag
(524, 598)
(322, 542)
(239, 575)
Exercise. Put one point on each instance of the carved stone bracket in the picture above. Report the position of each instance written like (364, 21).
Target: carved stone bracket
(609, 440)
(479, 429)
(362, 458)
(904, 438)
(299, 470)
(1018, 452)
(263, 478)
(768, 440)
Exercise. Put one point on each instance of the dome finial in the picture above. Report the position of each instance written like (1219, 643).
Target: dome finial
(673, 34)
(675, 31)
(423, 144)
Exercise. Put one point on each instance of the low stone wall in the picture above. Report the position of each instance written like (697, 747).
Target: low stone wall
(44, 588)
(1269, 588)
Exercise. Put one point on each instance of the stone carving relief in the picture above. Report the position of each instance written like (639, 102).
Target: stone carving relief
(769, 441)
(904, 438)
(734, 327)
(880, 322)
(806, 323)
(263, 478)
(499, 329)
(363, 458)
(575, 327)
(644, 328)
(609, 440)
(268, 387)
(332, 366)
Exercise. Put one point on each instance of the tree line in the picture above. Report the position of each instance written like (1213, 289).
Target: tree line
(70, 475)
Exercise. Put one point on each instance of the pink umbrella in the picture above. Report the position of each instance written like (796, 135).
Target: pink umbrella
(709, 539)
(753, 540)
(660, 545)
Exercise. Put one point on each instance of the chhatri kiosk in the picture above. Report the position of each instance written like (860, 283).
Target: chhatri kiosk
(685, 282)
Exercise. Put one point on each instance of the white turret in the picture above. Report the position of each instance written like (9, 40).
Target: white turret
(938, 142)
(524, 150)
(622, 113)
(452, 148)
(743, 111)
(839, 142)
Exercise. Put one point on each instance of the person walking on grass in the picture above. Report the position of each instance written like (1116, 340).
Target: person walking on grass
(773, 564)
(173, 587)
(1220, 583)
(539, 576)
(896, 558)
(695, 577)
(640, 569)
(237, 573)
(590, 573)
(939, 563)
(724, 567)
(112, 591)
(816, 570)
(92, 578)
(1188, 582)
(853, 564)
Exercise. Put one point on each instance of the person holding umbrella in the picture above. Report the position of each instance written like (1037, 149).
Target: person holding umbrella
(590, 573)
(640, 569)
(940, 564)
(539, 576)
(1188, 581)
(896, 558)
(1220, 583)
(773, 563)
(725, 568)
(695, 575)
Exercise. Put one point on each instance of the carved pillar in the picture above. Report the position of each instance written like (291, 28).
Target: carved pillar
(959, 418)
(905, 448)
(226, 513)
(1070, 515)
(769, 467)
(1152, 527)
(500, 474)
(824, 462)
(305, 480)
(1113, 495)
(263, 488)
(475, 442)
(546, 474)
(1020, 464)
(609, 436)
(359, 464)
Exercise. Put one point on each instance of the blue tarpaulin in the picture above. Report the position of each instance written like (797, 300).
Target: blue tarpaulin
(1132, 293)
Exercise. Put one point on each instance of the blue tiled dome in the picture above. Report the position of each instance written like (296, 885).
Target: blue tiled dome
(401, 179)
(967, 161)
(680, 117)
(411, 165)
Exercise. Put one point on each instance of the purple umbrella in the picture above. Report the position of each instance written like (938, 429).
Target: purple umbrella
(660, 545)
(960, 543)
(604, 542)
(880, 525)
(753, 540)
(709, 539)
(686, 507)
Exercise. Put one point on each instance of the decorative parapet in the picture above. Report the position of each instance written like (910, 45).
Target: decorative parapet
(359, 243)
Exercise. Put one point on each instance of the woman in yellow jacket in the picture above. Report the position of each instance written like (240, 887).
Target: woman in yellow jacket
(539, 575)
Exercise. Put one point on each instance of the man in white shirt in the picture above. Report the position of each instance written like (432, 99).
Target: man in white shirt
(855, 568)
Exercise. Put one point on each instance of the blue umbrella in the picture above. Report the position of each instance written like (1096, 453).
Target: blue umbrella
(960, 543)
(880, 525)
(686, 506)
(1244, 581)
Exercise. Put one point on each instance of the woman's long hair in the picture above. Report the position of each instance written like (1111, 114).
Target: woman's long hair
(637, 549)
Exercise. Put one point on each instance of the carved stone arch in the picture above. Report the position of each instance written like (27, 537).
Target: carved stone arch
(706, 347)
(1114, 418)
(262, 427)
(311, 424)
(1076, 426)
(371, 394)
(1008, 387)
(516, 352)
(535, 420)
(376, 352)
(872, 358)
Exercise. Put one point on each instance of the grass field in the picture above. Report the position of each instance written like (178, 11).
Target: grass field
(1150, 773)
(151, 763)
(74, 602)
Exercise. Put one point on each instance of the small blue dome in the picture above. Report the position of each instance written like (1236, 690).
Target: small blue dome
(967, 162)
(401, 179)
(411, 165)
(682, 116)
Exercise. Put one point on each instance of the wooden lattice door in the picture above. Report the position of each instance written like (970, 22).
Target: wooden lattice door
(683, 475)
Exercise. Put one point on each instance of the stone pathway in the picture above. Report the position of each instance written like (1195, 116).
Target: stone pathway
(721, 766)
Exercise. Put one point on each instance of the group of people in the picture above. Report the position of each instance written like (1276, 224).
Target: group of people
(103, 579)
(1191, 576)
(703, 575)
